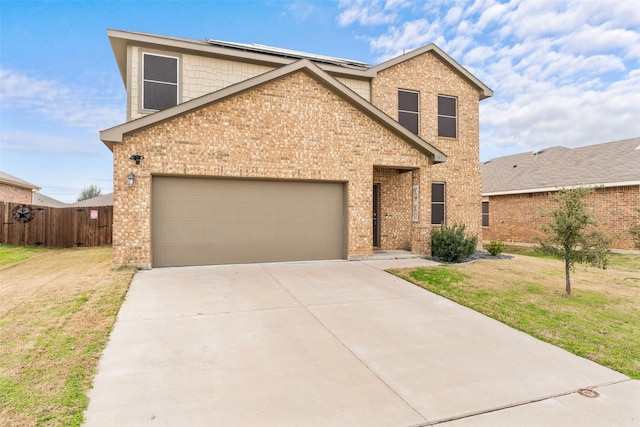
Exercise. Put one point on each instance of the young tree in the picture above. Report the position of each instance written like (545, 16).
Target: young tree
(89, 193)
(571, 234)
(634, 229)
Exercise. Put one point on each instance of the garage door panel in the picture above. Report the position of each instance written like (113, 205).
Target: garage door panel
(199, 221)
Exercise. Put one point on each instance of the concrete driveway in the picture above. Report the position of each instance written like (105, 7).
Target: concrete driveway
(333, 344)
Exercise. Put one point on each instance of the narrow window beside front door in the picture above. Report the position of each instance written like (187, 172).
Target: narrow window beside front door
(437, 203)
(485, 214)
(159, 82)
(408, 110)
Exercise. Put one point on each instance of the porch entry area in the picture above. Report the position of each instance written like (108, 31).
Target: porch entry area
(392, 208)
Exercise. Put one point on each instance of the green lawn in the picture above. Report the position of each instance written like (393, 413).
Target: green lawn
(57, 308)
(599, 322)
(11, 254)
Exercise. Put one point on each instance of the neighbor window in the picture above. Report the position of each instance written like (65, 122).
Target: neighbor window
(485, 214)
(159, 82)
(408, 110)
(437, 203)
(447, 117)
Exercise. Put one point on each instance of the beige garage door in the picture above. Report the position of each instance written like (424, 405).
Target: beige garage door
(201, 221)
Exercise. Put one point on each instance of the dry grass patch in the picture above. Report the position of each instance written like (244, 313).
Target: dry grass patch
(57, 309)
(600, 321)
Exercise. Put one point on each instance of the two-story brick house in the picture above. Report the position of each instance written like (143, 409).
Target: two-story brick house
(252, 153)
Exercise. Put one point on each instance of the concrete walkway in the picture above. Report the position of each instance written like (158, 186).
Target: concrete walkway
(333, 344)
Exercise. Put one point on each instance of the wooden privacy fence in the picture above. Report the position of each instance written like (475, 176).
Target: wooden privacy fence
(30, 225)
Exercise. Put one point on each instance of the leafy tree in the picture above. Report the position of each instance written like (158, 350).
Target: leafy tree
(89, 193)
(635, 233)
(571, 234)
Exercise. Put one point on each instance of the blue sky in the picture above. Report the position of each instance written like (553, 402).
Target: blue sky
(564, 72)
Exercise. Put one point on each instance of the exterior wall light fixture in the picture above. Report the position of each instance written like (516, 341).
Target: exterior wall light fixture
(137, 158)
(131, 180)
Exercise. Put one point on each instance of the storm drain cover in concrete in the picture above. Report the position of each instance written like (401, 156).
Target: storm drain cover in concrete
(588, 393)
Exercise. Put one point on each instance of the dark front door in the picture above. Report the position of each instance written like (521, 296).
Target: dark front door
(376, 215)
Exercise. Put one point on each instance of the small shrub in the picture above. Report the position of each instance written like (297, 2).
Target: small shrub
(635, 235)
(495, 247)
(450, 243)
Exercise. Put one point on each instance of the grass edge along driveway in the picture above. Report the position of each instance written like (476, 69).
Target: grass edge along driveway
(57, 309)
(599, 322)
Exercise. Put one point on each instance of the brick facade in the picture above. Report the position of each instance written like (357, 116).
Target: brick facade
(11, 193)
(429, 76)
(299, 127)
(516, 218)
(291, 128)
(395, 208)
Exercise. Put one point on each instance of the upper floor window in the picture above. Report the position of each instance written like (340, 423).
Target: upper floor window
(437, 203)
(159, 81)
(408, 110)
(447, 117)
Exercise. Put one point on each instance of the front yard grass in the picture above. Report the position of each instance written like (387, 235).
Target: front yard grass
(11, 254)
(600, 321)
(57, 309)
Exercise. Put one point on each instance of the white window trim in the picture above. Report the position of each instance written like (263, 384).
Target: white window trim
(450, 117)
(142, 79)
(417, 113)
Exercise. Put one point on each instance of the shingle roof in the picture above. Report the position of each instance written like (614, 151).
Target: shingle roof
(613, 163)
(5, 178)
(274, 56)
(40, 199)
(288, 53)
(103, 200)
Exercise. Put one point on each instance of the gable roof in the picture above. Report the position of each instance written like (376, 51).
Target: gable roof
(102, 200)
(116, 134)
(263, 55)
(610, 164)
(6, 178)
(40, 199)
(273, 56)
(484, 90)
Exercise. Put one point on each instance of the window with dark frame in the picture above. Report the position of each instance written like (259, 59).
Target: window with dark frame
(409, 110)
(485, 214)
(159, 82)
(437, 203)
(447, 117)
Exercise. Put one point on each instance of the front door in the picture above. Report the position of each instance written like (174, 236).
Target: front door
(376, 215)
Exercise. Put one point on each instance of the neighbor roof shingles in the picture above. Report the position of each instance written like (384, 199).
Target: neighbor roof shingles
(6, 178)
(600, 164)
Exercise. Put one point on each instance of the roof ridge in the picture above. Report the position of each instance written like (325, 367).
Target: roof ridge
(273, 50)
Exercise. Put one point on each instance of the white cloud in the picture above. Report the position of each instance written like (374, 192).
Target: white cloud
(75, 106)
(564, 72)
(369, 12)
(41, 141)
(588, 40)
(410, 35)
(300, 10)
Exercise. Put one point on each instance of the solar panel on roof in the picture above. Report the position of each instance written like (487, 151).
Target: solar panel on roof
(254, 47)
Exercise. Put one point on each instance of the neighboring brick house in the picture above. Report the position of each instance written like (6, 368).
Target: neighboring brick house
(253, 153)
(516, 189)
(16, 190)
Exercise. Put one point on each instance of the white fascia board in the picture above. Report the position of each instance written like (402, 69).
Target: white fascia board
(564, 187)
